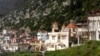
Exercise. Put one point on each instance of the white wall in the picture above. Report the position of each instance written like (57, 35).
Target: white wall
(94, 23)
(50, 39)
(66, 40)
(42, 35)
(55, 41)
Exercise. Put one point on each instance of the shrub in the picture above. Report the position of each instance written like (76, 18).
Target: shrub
(91, 48)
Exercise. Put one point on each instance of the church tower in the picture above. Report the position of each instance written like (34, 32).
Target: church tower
(72, 28)
(63, 28)
(55, 27)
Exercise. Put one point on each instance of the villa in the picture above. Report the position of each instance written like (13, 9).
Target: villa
(57, 39)
(94, 27)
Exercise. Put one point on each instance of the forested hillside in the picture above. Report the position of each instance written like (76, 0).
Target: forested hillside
(6, 6)
(37, 14)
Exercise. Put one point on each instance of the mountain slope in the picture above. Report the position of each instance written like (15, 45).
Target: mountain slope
(6, 6)
(37, 14)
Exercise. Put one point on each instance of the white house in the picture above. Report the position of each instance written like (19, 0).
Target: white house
(82, 31)
(94, 27)
(57, 39)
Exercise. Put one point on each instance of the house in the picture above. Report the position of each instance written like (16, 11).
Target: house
(94, 25)
(90, 28)
(57, 39)
(72, 28)
(39, 39)
(82, 31)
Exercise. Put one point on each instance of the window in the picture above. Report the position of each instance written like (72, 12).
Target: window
(53, 37)
(56, 30)
(47, 38)
(63, 37)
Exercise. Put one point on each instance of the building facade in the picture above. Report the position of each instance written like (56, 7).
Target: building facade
(57, 39)
(94, 27)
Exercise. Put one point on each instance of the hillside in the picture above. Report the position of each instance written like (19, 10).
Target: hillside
(6, 6)
(91, 48)
(37, 14)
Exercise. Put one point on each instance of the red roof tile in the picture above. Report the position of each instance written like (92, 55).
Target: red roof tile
(71, 25)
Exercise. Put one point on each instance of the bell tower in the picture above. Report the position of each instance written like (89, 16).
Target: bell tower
(55, 27)
(72, 28)
(63, 28)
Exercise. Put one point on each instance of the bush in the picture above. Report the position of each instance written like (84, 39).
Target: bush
(18, 53)
(91, 48)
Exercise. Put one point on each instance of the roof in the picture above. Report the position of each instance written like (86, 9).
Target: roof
(71, 25)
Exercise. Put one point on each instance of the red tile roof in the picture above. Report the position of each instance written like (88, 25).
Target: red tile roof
(71, 25)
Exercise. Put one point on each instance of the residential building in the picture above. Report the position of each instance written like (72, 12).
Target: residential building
(57, 39)
(94, 27)
(94, 24)
(82, 31)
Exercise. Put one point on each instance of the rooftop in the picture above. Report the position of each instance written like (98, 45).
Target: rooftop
(71, 25)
